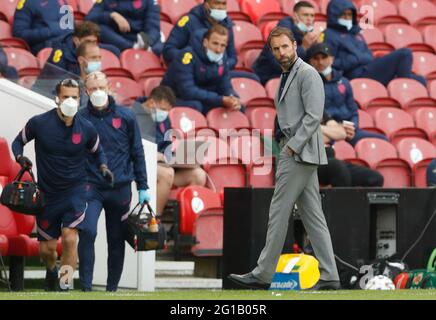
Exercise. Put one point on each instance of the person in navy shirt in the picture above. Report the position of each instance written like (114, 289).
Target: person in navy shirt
(39, 23)
(7, 71)
(128, 23)
(121, 139)
(201, 17)
(266, 66)
(352, 55)
(63, 141)
(153, 112)
(200, 75)
(339, 99)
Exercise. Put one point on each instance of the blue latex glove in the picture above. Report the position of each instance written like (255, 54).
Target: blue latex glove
(144, 196)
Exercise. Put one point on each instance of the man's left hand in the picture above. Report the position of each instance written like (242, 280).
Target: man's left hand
(144, 196)
(107, 174)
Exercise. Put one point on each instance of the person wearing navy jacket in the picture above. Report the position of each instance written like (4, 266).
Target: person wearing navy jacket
(128, 23)
(352, 55)
(200, 75)
(39, 23)
(201, 17)
(266, 66)
(63, 140)
(339, 99)
(7, 71)
(121, 138)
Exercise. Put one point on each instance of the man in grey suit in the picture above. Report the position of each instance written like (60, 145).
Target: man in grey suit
(300, 103)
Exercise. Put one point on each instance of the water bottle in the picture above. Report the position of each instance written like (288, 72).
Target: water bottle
(152, 225)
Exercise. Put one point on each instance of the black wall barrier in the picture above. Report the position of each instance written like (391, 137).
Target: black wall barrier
(365, 223)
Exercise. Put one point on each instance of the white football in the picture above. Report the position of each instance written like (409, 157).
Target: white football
(380, 283)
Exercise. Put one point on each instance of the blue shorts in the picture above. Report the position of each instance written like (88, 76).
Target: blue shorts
(65, 210)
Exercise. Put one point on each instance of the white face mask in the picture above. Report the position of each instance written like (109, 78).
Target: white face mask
(214, 57)
(159, 115)
(69, 107)
(218, 15)
(346, 23)
(99, 98)
(304, 28)
(327, 71)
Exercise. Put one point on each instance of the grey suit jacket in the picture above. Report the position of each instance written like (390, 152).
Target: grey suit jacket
(299, 110)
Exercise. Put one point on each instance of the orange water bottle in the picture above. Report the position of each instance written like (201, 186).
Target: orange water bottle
(152, 225)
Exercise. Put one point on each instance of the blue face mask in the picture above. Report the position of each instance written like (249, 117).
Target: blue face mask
(214, 57)
(304, 28)
(159, 115)
(346, 23)
(93, 66)
(218, 15)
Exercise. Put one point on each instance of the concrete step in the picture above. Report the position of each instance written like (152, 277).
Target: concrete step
(169, 283)
(174, 268)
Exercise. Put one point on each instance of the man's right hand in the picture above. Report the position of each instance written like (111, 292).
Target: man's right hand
(107, 175)
(309, 39)
(24, 162)
(122, 23)
(231, 103)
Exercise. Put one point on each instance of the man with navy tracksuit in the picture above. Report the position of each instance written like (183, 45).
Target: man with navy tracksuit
(352, 55)
(199, 76)
(339, 99)
(266, 66)
(39, 23)
(7, 71)
(201, 17)
(431, 174)
(128, 23)
(121, 138)
(63, 142)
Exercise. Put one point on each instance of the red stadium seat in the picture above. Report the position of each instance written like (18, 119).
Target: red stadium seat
(371, 95)
(429, 35)
(418, 12)
(149, 84)
(85, 5)
(175, 9)
(5, 30)
(344, 150)
(109, 59)
(193, 200)
(271, 87)
(233, 6)
(137, 61)
(23, 61)
(424, 64)
(365, 119)
(385, 13)
(165, 30)
(73, 3)
(27, 81)
(414, 150)
(7, 9)
(432, 88)
(250, 57)
(420, 173)
(410, 93)
(43, 55)
(227, 175)
(397, 124)
(248, 89)
(382, 156)
(262, 118)
(258, 8)
(220, 118)
(187, 119)
(247, 36)
(401, 36)
(6, 161)
(124, 88)
(208, 231)
(376, 42)
(425, 118)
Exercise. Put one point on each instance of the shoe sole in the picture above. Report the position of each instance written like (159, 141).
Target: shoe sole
(266, 287)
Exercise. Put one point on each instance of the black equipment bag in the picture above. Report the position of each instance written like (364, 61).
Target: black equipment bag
(137, 233)
(23, 196)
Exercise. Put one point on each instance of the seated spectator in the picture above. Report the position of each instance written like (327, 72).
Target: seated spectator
(6, 71)
(201, 17)
(339, 173)
(88, 60)
(339, 99)
(266, 66)
(200, 74)
(128, 24)
(153, 111)
(431, 174)
(352, 55)
(39, 23)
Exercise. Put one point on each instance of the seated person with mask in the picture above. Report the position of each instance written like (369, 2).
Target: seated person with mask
(339, 100)
(266, 66)
(153, 111)
(199, 75)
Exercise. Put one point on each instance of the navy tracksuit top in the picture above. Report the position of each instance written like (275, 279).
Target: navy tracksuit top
(61, 151)
(121, 139)
(39, 21)
(142, 15)
(182, 33)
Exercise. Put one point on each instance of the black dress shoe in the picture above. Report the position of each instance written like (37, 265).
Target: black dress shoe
(248, 280)
(326, 285)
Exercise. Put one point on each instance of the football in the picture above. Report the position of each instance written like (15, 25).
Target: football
(380, 283)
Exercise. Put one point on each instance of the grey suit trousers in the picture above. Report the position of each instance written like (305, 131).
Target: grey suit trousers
(296, 182)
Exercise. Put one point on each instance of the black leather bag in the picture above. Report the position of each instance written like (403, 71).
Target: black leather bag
(137, 232)
(23, 196)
